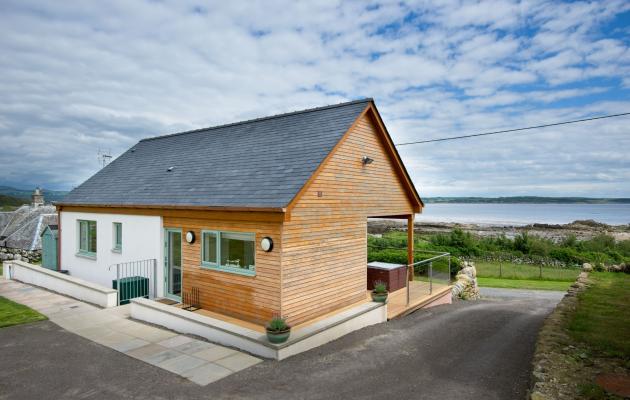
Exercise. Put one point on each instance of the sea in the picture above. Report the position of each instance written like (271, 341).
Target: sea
(524, 214)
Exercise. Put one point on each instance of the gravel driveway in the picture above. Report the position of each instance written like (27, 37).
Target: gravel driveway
(468, 350)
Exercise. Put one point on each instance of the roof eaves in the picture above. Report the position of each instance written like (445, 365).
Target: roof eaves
(175, 207)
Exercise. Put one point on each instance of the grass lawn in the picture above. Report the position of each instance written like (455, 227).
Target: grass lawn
(12, 313)
(508, 270)
(602, 317)
(532, 284)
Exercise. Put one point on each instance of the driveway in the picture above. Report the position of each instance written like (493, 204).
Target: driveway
(467, 350)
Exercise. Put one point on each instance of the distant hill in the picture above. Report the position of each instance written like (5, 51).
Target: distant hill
(527, 199)
(12, 201)
(49, 195)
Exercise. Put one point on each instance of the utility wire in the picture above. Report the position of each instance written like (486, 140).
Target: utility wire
(513, 130)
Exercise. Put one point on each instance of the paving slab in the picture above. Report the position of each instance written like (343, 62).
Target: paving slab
(238, 361)
(182, 363)
(215, 353)
(175, 341)
(194, 346)
(207, 374)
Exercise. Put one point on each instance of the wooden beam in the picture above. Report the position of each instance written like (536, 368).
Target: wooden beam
(410, 259)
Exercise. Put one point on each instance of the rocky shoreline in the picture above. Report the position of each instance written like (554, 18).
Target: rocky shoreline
(581, 229)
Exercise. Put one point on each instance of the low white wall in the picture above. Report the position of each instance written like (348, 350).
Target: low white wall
(142, 239)
(60, 283)
(254, 342)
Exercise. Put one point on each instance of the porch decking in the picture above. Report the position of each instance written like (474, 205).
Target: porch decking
(418, 297)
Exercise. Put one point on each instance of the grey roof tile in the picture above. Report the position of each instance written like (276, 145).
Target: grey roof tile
(257, 163)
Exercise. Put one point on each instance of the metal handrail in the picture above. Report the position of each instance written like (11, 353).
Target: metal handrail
(410, 271)
(146, 268)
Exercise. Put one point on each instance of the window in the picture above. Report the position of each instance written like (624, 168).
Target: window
(229, 251)
(87, 238)
(117, 237)
(209, 250)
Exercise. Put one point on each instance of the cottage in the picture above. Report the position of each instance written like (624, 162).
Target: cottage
(261, 217)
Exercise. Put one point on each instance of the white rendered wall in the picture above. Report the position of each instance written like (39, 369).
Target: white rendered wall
(142, 238)
(60, 283)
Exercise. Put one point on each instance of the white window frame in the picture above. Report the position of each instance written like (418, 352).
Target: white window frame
(117, 247)
(84, 251)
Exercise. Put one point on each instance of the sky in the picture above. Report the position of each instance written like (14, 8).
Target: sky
(77, 77)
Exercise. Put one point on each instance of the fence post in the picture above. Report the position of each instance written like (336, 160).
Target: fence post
(500, 267)
(540, 274)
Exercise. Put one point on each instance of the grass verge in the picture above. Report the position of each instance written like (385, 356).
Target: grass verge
(531, 284)
(602, 316)
(12, 313)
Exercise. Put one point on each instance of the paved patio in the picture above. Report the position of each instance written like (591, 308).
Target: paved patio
(196, 360)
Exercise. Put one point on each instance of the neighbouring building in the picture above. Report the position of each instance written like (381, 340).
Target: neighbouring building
(20, 230)
(261, 217)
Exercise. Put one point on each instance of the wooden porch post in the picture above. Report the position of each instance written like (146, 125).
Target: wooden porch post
(410, 258)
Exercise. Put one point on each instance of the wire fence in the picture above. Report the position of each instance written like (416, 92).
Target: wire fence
(488, 265)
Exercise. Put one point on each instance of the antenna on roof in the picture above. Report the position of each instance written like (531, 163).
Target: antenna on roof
(104, 157)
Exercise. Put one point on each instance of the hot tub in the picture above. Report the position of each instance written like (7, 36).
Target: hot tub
(394, 275)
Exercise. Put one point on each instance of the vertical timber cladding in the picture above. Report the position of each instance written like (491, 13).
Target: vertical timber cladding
(251, 298)
(324, 255)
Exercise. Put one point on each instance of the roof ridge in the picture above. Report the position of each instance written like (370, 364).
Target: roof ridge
(307, 110)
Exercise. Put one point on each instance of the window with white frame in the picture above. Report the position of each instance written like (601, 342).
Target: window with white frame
(229, 251)
(87, 238)
(117, 240)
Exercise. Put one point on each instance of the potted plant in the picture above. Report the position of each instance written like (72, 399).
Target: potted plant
(379, 293)
(278, 330)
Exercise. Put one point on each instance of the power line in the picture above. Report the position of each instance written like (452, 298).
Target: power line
(513, 130)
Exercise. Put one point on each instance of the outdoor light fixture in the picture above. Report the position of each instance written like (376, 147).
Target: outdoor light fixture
(190, 237)
(266, 243)
(367, 160)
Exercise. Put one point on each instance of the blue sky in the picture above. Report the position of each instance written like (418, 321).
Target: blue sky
(76, 77)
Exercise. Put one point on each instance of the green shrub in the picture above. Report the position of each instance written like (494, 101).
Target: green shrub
(380, 287)
(277, 324)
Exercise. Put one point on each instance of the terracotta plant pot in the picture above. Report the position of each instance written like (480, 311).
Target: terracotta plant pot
(379, 297)
(278, 336)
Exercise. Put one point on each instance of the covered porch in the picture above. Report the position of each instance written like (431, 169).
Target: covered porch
(428, 274)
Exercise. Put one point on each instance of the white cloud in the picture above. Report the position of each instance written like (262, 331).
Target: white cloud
(77, 76)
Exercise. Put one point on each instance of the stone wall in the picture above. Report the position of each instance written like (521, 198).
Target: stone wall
(465, 286)
(29, 256)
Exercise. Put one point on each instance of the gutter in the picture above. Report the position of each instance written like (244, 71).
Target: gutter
(173, 207)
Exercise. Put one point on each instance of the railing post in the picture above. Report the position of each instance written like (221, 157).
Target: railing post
(449, 269)
(407, 282)
(118, 284)
(431, 277)
(154, 278)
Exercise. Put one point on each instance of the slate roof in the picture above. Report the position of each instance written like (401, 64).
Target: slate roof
(260, 163)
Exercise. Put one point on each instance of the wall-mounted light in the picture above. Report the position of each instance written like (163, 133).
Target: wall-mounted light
(367, 160)
(266, 244)
(190, 237)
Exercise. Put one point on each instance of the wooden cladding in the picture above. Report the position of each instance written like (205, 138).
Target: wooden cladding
(252, 298)
(324, 252)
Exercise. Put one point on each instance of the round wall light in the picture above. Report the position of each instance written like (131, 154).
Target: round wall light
(266, 244)
(190, 237)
